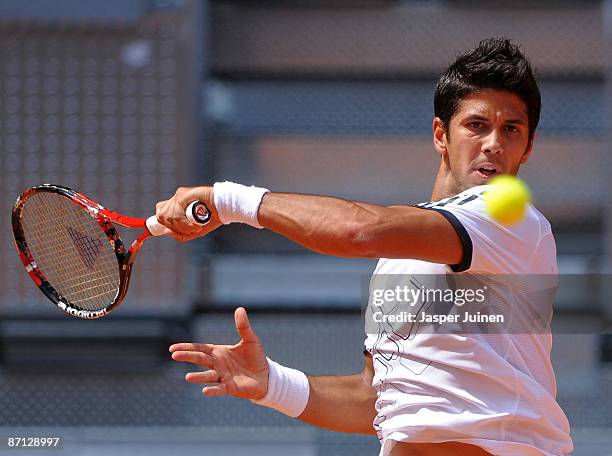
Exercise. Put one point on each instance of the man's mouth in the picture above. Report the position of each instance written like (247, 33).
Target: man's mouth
(487, 171)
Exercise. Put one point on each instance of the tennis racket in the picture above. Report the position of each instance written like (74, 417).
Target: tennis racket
(72, 251)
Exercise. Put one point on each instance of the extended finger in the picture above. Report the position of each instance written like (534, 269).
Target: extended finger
(199, 358)
(209, 376)
(191, 346)
(217, 390)
(243, 326)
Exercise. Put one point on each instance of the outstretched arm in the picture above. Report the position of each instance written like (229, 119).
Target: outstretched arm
(338, 227)
(342, 403)
(332, 226)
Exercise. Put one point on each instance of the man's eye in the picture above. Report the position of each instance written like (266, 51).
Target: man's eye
(512, 129)
(475, 124)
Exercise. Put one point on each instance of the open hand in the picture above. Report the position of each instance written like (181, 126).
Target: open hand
(240, 370)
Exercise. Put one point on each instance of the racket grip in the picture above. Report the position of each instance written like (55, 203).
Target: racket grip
(196, 212)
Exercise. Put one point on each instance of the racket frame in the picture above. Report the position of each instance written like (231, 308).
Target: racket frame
(105, 218)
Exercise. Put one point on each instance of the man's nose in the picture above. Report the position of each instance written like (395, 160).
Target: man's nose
(492, 143)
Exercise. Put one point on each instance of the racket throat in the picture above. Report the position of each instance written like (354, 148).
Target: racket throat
(135, 247)
(126, 265)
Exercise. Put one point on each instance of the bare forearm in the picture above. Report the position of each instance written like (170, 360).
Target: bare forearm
(340, 403)
(338, 227)
(323, 224)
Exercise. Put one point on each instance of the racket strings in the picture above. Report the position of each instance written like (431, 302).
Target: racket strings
(88, 248)
(71, 250)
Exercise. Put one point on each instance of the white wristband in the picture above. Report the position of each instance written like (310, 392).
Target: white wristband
(238, 203)
(288, 390)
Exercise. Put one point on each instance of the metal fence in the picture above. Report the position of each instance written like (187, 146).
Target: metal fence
(104, 107)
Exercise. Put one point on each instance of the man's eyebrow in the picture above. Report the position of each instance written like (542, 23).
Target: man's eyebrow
(513, 120)
(517, 120)
(475, 116)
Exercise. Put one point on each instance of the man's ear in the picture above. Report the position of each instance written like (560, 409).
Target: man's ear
(527, 153)
(439, 136)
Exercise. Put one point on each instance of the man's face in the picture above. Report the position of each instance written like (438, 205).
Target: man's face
(489, 135)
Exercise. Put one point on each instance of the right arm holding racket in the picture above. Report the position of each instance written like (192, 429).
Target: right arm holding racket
(325, 225)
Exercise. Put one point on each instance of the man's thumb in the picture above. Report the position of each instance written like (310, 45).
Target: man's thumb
(243, 326)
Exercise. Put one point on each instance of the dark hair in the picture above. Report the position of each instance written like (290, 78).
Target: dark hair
(495, 63)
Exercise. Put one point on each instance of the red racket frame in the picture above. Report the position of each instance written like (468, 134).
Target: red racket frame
(105, 218)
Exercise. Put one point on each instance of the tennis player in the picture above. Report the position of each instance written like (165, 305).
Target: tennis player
(433, 393)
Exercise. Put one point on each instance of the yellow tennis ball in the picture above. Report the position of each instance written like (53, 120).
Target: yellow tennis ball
(507, 200)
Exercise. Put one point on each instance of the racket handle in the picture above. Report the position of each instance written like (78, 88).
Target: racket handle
(196, 213)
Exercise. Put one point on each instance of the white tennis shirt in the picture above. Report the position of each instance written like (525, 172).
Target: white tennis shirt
(496, 391)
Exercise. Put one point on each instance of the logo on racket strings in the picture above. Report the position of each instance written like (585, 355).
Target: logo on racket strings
(88, 247)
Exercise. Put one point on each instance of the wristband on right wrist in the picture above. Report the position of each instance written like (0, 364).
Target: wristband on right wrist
(238, 203)
(288, 390)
